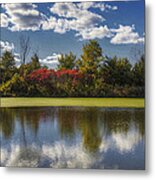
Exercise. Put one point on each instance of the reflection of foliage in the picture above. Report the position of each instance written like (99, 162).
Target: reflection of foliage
(91, 123)
(139, 119)
(25, 116)
(90, 130)
(118, 121)
(7, 122)
(67, 122)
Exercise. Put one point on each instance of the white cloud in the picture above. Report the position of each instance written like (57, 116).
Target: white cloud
(126, 35)
(17, 59)
(72, 10)
(23, 16)
(74, 17)
(58, 25)
(96, 32)
(77, 17)
(104, 7)
(6, 46)
(50, 61)
(85, 5)
(4, 20)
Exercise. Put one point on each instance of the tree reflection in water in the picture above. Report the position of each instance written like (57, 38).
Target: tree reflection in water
(90, 130)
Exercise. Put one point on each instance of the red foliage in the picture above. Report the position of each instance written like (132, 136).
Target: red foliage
(41, 74)
(45, 74)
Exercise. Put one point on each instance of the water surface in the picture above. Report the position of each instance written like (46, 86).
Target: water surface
(72, 137)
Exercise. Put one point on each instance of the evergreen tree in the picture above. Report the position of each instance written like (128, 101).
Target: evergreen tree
(91, 57)
(7, 60)
(67, 61)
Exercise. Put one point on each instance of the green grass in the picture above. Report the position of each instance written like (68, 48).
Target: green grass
(97, 102)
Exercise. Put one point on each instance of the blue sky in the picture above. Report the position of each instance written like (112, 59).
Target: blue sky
(56, 28)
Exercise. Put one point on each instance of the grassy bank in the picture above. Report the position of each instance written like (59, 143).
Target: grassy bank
(98, 102)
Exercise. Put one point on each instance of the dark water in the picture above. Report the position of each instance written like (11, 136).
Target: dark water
(72, 137)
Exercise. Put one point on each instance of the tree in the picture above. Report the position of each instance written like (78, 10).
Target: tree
(35, 62)
(67, 61)
(139, 72)
(7, 66)
(117, 71)
(7, 60)
(26, 69)
(91, 57)
(24, 48)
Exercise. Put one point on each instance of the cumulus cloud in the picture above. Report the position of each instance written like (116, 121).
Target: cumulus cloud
(72, 10)
(75, 17)
(126, 35)
(4, 20)
(50, 61)
(104, 7)
(58, 25)
(23, 16)
(67, 16)
(85, 5)
(96, 32)
(6, 46)
(79, 18)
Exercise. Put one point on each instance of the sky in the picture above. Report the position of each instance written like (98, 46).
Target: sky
(56, 28)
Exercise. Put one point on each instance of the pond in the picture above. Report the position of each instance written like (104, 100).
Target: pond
(73, 137)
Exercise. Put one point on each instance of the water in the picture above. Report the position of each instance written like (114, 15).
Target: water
(73, 137)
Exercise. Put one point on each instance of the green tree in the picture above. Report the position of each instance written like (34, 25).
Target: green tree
(7, 60)
(26, 69)
(7, 66)
(117, 71)
(35, 64)
(139, 72)
(91, 57)
(67, 61)
(16, 86)
(89, 65)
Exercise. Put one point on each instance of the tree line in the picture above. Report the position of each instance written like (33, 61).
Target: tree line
(91, 75)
